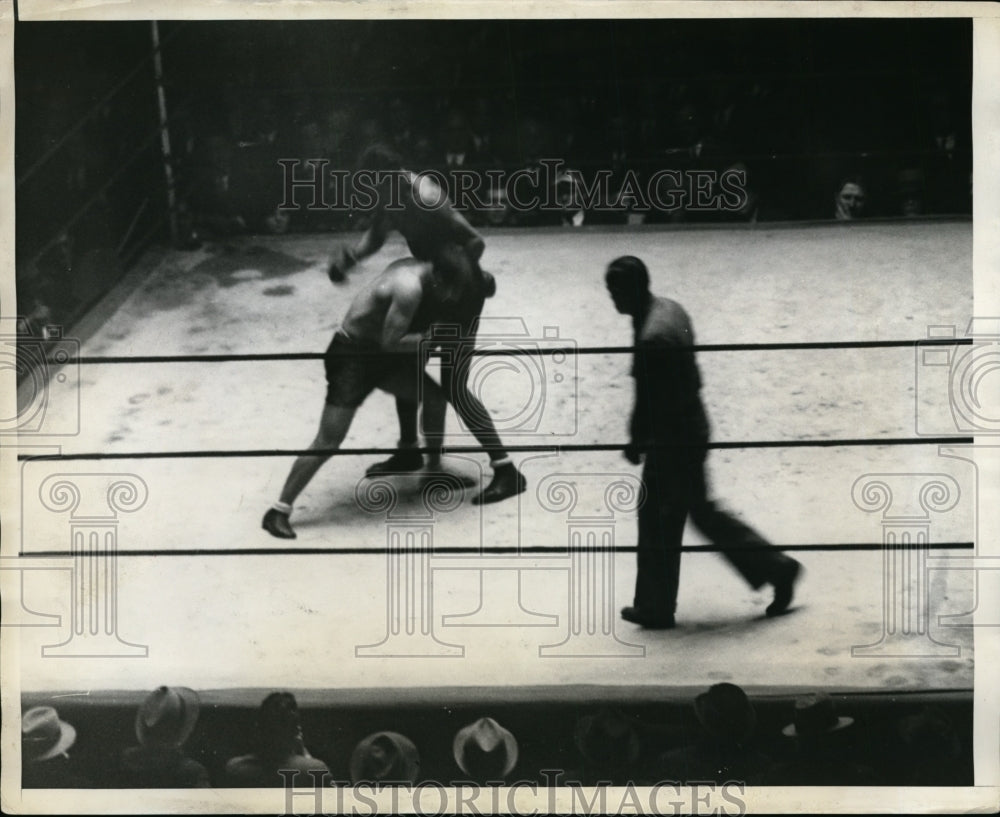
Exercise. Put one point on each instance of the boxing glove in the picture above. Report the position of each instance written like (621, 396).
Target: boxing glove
(489, 284)
(340, 264)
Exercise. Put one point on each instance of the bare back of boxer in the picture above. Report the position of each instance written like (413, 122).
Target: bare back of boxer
(375, 347)
(397, 307)
(417, 207)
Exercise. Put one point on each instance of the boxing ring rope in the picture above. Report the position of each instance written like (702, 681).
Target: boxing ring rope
(506, 352)
(94, 528)
(410, 550)
(530, 351)
(445, 550)
(476, 449)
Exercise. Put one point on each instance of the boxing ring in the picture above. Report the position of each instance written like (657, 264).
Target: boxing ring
(168, 433)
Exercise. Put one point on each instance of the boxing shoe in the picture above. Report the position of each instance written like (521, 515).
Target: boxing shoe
(402, 461)
(447, 476)
(645, 619)
(784, 587)
(507, 481)
(278, 524)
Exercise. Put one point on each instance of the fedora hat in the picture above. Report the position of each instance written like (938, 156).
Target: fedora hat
(167, 716)
(485, 749)
(607, 738)
(725, 712)
(816, 714)
(385, 757)
(43, 735)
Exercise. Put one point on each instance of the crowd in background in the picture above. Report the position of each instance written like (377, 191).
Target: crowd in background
(818, 744)
(233, 180)
(826, 119)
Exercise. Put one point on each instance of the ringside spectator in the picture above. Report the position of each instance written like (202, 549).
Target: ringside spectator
(823, 754)
(609, 747)
(45, 741)
(485, 751)
(385, 758)
(724, 749)
(280, 746)
(931, 751)
(163, 725)
(849, 203)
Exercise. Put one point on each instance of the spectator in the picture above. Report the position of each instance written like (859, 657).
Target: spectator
(457, 152)
(566, 143)
(163, 725)
(694, 149)
(212, 203)
(485, 751)
(608, 744)
(533, 140)
(724, 749)
(689, 131)
(280, 745)
(948, 156)
(399, 122)
(36, 292)
(747, 206)
(339, 148)
(481, 130)
(45, 741)
(932, 753)
(568, 197)
(368, 131)
(850, 199)
(648, 128)
(38, 315)
(617, 158)
(55, 274)
(498, 211)
(619, 153)
(630, 206)
(823, 754)
(385, 758)
(337, 130)
(456, 142)
(910, 183)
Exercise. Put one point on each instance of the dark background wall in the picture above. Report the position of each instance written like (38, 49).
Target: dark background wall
(799, 104)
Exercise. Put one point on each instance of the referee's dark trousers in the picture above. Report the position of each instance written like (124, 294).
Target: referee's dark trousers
(676, 487)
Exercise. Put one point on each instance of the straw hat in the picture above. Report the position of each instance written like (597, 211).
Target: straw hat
(43, 735)
(167, 716)
(485, 749)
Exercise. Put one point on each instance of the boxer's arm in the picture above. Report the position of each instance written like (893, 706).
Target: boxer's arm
(463, 233)
(405, 294)
(372, 239)
(345, 257)
(472, 241)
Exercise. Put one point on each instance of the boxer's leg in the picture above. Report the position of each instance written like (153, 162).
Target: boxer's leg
(333, 427)
(431, 397)
(406, 459)
(507, 480)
